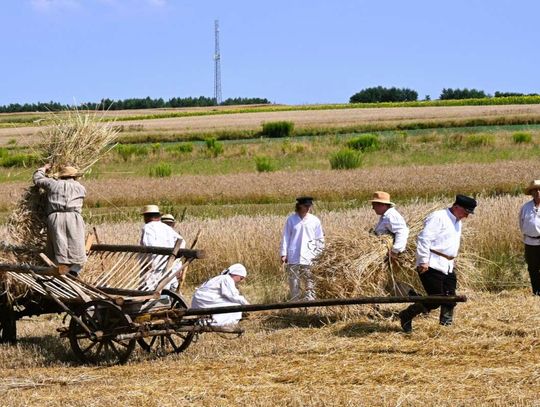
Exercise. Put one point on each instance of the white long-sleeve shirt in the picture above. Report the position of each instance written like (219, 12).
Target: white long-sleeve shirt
(442, 232)
(157, 233)
(529, 223)
(219, 291)
(391, 222)
(302, 239)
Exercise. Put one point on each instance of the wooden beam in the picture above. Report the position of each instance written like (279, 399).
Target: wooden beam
(165, 251)
(28, 269)
(428, 299)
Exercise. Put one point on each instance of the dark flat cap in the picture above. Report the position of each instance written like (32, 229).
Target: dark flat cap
(304, 200)
(466, 202)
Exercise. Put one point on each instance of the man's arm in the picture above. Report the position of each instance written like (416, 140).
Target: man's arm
(425, 240)
(284, 242)
(40, 177)
(401, 233)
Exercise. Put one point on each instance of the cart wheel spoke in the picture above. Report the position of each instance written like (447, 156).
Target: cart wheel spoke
(171, 343)
(98, 350)
(121, 343)
(111, 346)
(104, 319)
(89, 347)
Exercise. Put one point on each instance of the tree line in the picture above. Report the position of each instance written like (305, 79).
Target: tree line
(382, 94)
(132, 103)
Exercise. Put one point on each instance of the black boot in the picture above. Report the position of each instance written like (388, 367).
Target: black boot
(447, 315)
(406, 316)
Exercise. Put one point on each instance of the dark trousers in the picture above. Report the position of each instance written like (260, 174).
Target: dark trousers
(435, 282)
(532, 257)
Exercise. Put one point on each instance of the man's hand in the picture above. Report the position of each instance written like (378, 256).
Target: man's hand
(392, 255)
(283, 259)
(422, 268)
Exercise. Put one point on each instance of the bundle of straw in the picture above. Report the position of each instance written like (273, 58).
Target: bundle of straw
(356, 263)
(73, 138)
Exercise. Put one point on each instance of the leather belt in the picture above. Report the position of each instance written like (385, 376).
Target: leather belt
(438, 253)
(533, 237)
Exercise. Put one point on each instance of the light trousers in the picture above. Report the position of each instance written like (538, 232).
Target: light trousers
(301, 282)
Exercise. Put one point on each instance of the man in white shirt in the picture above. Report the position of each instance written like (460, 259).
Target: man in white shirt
(221, 291)
(157, 233)
(436, 248)
(301, 242)
(390, 222)
(529, 224)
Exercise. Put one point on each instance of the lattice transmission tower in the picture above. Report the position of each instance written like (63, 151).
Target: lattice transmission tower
(217, 66)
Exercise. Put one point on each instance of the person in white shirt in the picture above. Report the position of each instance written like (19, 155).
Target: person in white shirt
(157, 233)
(437, 246)
(301, 242)
(390, 222)
(176, 268)
(221, 291)
(529, 224)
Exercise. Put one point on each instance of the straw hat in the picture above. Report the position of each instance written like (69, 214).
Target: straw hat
(168, 218)
(150, 209)
(67, 171)
(535, 184)
(381, 197)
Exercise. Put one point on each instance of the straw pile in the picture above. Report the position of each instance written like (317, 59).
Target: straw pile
(355, 263)
(74, 139)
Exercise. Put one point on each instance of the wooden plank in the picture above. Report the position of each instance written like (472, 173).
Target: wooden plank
(29, 269)
(428, 299)
(166, 251)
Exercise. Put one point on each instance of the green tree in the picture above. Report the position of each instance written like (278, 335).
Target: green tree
(380, 94)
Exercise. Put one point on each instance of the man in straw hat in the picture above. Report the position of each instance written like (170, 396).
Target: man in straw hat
(529, 224)
(301, 242)
(157, 233)
(221, 291)
(436, 248)
(65, 225)
(390, 222)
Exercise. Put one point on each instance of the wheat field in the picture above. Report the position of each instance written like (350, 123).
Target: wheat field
(301, 118)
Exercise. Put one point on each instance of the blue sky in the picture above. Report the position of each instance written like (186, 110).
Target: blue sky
(294, 51)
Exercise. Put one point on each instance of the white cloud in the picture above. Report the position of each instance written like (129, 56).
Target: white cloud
(46, 5)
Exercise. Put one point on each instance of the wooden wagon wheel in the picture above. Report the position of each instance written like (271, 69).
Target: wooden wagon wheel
(8, 324)
(105, 321)
(170, 343)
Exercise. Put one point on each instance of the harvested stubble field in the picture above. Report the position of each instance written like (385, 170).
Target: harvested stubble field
(333, 118)
(488, 358)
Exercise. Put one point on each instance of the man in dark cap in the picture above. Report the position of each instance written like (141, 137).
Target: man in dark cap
(529, 224)
(436, 248)
(302, 241)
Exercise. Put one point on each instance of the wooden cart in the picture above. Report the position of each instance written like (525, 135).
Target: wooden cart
(106, 322)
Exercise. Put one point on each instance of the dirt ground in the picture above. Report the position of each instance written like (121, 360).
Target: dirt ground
(491, 356)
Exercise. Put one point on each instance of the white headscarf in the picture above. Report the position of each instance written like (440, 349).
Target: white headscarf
(236, 269)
